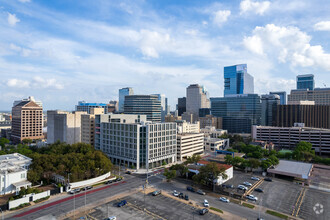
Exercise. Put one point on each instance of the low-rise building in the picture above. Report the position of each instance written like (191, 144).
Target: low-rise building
(189, 144)
(88, 125)
(212, 132)
(13, 172)
(187, 127)
(213, 144)
(229, 171)
(172, 118)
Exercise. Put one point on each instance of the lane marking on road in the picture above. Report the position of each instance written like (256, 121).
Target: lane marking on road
(299, 197)
(65, 199)
(301, 200)
(154, 215)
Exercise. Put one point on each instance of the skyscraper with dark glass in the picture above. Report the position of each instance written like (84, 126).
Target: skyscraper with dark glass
(148, 105)
(305, 82)
(282, 95)
(237, 80)
(238, 112)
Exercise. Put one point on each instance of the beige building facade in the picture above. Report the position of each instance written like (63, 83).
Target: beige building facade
(88, 125)
(210, 120)
(189, 144)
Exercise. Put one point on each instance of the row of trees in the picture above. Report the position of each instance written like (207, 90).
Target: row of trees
(252, 163)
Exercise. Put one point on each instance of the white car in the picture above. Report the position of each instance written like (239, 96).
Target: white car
(247, 184)
(242, 187)
(255, 178)
(206, 203)
(111, 218)
(252, 197)
(224, 199)
(175, 193)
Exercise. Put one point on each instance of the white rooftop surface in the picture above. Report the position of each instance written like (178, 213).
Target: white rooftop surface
(293, 167)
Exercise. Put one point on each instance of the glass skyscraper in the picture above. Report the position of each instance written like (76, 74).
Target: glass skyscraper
(237, 80)
(282, 95)
(238, 112)
(148, 105)
(122, 93)
(305, 82)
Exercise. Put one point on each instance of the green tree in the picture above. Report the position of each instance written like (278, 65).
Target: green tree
(181, 168)
(237, 161)
(254, 163)
(169, 174)
(193, 159)
(265, 164)
(27, 141)
(209, 173)
(229, 159)
(3, 142)
(303, 152)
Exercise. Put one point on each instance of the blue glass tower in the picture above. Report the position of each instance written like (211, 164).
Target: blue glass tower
(237, 80)
(305, 82)
(282, 95)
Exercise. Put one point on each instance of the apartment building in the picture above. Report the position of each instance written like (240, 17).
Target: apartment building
(189, 144)
(186, 127)
(131, 141)
(88, 125)
(288, 137)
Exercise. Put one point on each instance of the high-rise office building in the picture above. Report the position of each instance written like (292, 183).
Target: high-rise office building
(163, 103)
(64, 126)
(26, 120)
(305, 82)
(86, 106)
(148, 105)
(282, 95)
(181, 105)
(197, 97)
(316, 116)
(210, 121)
(238, 112)
(88, 125)
(321, 96)
(130, 141)
(268, 107)
(237, 80)
(122, 93)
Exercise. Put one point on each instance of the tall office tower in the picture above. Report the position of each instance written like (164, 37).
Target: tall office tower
(305, 82)
(282, 95)
(86, 107)
(113, 106)
(316, 116)
(26, 120)
(122, 93)
(64, 126)
(268, 108)
(197, 97)
(148, 105)
(88, 125)
(321, 96)
(130, 141)
(238, 112)
(163, 103)
(181, 105)
(31, 98)
(237, 80)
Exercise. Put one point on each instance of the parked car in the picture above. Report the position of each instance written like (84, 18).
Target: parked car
(181, 195)
(175, 193)
(109, 182)
(206, 203)
(74, 191)
(87, 188)
(122, 203)
(111, 218)
(268, 179)
(203, 211)
(128, 172)
(224, 199)
(189, 188)
(156, 193)
(118, 179)
(200, 192)
(247, 184)
(252, 197)
(186, 197)
(230, 186)
(258, 190)
(254, 178)
(242, 187)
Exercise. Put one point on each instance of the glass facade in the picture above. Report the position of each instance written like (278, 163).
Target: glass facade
(305, 82)
(268, 108)
(238, 112)
(122, 93)
(237, 80)
(86, 107)
(282, 96)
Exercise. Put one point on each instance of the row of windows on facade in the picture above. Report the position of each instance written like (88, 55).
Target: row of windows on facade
(131, 145)
(134, 134)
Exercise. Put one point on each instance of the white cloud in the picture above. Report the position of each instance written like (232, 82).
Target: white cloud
(221, 17)
(24, 1)
(322, 26)
(288, 44)
(17, 83)
(12, 19)
(36, 83)
(152, 40)
(254, 6)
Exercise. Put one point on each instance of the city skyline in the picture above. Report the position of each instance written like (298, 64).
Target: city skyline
(73, 51)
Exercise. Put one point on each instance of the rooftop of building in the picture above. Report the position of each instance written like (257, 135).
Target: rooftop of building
(204, 162)
(13, 158)
(189, 134)
(83, 103)
(214, 139)
(292, 168)
(297, 128)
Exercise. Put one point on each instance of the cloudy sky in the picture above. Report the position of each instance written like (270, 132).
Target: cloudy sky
(64, 51)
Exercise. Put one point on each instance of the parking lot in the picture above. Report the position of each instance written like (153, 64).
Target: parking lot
(157, 207)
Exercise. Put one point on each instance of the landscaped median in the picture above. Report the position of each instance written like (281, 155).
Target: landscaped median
(217, 210)
(248, 205)
(282, 216)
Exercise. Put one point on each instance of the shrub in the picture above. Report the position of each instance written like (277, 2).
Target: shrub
(277, 214)
(215, 209)
(248, 205)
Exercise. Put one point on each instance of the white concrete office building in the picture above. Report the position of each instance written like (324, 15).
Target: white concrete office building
(197, 97)
(189, 144)
(64, 126)
(186, 127)
(210, 131)
(13, 172)
(132, 141)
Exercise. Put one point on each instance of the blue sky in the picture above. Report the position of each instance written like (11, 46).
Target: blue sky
(64, 51)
